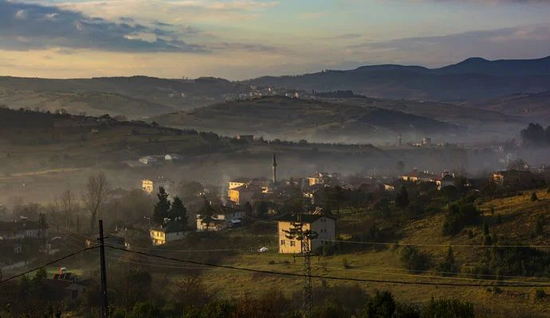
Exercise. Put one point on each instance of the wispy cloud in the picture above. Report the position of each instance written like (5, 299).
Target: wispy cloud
(519, 42)
(32, 26)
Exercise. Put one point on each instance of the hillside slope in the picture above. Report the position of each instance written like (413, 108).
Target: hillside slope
(530, 107)
(136, 96)
(279, 117)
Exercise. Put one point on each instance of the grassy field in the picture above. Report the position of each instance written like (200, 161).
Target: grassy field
(383, 263)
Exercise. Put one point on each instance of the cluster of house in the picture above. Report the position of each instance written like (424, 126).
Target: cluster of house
(13, 233)
(324, 226)
(258, 92)
(158, 159)
(446, 179)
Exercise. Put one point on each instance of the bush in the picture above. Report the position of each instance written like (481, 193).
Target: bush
(412, 259)
(540, 294)
(534, 197)
(346, 264)
(460, 216)
(448, 309)
(382, 305)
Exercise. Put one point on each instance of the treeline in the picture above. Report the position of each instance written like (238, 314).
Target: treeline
(23, 118)
(536, 135)
(135, 293)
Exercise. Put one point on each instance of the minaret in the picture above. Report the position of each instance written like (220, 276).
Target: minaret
(274, 169)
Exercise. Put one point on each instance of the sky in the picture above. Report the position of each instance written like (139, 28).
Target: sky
(241, 39)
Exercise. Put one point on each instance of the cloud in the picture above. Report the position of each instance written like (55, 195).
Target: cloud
(493, 2)
(346, 36)
(515, 42)
(26, 26)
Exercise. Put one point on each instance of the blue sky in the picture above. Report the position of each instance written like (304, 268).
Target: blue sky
(239, 39)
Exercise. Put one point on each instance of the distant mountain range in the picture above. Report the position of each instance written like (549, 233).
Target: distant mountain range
(474, 78)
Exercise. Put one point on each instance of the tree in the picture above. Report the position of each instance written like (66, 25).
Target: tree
(539, 224)
(534, 134)
(402, 199)
(247, 209)
(206, 209)
(448, 308)
(262, 209)
(487, 240)
(68, 205)
(382, 305)
(162, 208)
(534, 197)
(448, 266)
(178, 210)
(96, 196)
(42, 224)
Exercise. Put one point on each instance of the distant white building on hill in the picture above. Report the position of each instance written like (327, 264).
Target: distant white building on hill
(148, 160)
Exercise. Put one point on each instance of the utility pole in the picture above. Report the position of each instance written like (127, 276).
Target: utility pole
(297, 232)
(104, 296)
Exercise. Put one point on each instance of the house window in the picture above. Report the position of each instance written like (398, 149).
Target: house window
(292, 243)
(282, 242)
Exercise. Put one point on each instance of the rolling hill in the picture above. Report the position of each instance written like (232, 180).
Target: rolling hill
(531, 107)
(474, 78)
(134, 97)
(280, 117)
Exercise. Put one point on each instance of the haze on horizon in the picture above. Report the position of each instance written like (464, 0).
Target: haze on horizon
(239, 39)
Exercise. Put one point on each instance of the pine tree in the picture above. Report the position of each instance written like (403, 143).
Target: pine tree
(402, 199)
(162, 208)
(178, 210)
(206, 209)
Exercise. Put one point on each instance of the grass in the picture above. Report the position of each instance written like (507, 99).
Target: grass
(518, 215)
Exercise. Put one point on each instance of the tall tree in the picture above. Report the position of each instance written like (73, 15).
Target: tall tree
(178, 210)
(97, 193)
(206, 209)
(68, 206)
(162, 208)
(402, 199)
(262, 209)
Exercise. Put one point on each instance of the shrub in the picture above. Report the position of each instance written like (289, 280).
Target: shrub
(534, 197)
(448, 309)
(540, 294)
(382, 305)
(412, 259)
(460, 216)
(346, 264)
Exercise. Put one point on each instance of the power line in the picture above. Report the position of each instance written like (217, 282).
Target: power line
(353, 279)
(437, 245)
(49, 263)
(535, 283)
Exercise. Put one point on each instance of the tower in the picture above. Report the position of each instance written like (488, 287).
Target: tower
(274, 168)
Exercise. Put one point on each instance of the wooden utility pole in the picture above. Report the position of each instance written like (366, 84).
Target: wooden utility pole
(104, 296)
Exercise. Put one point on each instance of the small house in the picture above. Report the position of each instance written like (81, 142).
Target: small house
(173, 231)
(223, 218)
(323, 225)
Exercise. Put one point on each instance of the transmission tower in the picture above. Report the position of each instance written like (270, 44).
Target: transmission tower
(297, 232)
